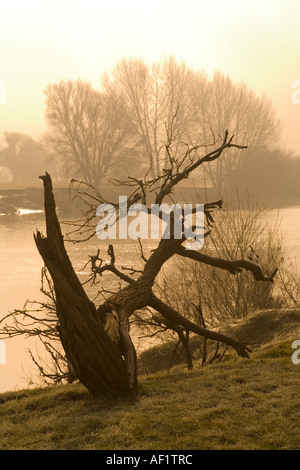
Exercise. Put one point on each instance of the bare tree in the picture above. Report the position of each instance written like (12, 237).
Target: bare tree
(97, 341)
(87, 130)
(219, 103)
(243, 231)
(153, 96)
(93, 132)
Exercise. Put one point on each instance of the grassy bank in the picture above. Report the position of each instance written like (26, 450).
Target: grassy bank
(239, 404)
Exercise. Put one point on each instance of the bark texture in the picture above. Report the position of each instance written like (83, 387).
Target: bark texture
(97, 342)
(95, 359)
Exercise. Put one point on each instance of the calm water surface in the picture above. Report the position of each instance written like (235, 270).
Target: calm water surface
(20, 274)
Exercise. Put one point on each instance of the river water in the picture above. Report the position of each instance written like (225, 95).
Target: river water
(20, 279)
(20, 275)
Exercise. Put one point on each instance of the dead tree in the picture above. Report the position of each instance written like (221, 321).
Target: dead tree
(97, 341)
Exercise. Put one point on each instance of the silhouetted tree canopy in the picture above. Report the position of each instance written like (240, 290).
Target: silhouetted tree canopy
(100, 133)
(24, 156)
(88, 130)
(269, 175)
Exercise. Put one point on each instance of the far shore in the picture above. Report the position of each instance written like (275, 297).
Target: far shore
(29, 196)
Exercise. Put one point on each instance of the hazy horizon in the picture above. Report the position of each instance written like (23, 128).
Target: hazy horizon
(44, 42)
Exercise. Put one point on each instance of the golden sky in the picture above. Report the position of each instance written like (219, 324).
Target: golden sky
(44, 41)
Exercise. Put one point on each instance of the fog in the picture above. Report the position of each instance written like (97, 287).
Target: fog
(43, 42)
(75, 77)
(110, 109)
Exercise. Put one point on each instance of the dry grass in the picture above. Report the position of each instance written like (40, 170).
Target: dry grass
(239, 404)
(265, 326)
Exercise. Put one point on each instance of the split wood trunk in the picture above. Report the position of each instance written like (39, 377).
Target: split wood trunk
(95, 359)
(97, 342)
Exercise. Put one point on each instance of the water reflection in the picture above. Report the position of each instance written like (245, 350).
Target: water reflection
(28, 211)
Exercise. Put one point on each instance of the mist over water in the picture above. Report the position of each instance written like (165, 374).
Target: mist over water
(20, 279)
(20, 276)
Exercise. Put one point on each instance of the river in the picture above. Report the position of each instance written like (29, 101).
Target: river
(20, 275)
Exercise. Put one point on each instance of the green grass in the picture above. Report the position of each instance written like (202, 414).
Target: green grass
(238, 404)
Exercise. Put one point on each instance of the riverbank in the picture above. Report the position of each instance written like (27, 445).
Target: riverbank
(30, 196)
(18, 199)
(15, 197)
(238, 404)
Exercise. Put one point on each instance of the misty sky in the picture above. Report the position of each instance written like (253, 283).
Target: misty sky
(44, 41)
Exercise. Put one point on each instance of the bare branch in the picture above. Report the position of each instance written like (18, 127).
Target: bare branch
(173, 316)
(232, 266)
(99, 269)
(209, 157)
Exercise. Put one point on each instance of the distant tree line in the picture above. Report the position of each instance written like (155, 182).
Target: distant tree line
(121, 129)
(22, 158)
(270, 175)
(95, 134)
